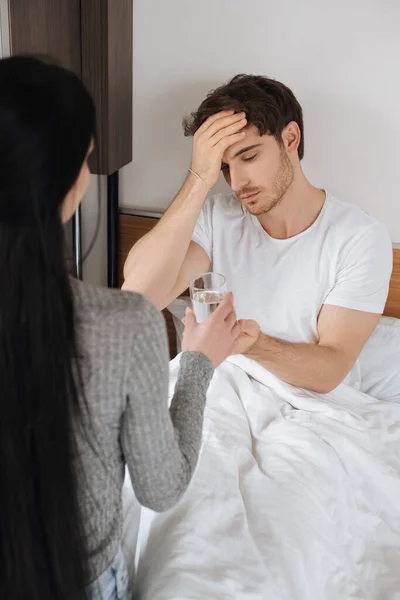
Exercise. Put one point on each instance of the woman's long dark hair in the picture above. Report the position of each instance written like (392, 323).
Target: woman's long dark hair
(46, 125)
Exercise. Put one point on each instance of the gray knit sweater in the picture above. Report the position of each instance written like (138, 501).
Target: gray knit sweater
(123, 343)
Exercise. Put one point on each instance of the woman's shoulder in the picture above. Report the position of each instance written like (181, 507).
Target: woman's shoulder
(114, 306)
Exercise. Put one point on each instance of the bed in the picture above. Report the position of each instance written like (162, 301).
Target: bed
(295, 496)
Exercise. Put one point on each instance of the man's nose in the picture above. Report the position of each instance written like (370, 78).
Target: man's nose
(237, 180)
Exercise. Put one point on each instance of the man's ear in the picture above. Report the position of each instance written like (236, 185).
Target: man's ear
(291, 137)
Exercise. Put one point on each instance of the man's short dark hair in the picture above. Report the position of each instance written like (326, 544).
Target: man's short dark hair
(269, 105)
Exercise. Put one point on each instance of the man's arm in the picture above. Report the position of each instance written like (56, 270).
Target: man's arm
(318, 367)
(346, 320)
(162, 262)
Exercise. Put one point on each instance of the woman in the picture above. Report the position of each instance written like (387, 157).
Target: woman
(83, 370)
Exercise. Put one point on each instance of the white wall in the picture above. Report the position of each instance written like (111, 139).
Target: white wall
(340, 57)
(4, 30)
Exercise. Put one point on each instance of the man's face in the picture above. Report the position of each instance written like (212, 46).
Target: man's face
(258, 170)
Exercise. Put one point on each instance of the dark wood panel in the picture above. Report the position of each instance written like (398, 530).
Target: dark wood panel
(131, 229)
(120, 75)
(392, 308)
(95, 73)
(94, 39)
(50, 27)
(107, 72)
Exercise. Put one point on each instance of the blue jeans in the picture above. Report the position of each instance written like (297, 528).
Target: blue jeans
(113, 584)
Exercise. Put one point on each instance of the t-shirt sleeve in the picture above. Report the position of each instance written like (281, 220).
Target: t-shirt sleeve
(202, 233)
(362, 280)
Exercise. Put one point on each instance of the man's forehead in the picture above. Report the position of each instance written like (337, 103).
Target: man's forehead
(250, 140)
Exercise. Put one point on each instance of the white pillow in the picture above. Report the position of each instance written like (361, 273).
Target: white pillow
(379, 361)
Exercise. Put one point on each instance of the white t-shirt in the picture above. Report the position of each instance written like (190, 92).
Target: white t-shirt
(344, 258)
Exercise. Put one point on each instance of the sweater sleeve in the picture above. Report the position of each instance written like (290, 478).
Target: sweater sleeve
(161, 446)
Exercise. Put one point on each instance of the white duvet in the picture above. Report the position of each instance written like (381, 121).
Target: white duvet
(296, 496)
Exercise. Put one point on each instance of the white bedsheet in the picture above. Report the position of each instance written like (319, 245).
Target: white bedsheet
(296, 496)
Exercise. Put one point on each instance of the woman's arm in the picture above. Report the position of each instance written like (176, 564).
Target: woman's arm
(161, 446)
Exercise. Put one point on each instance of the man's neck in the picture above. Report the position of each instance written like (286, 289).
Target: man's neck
(297, 210)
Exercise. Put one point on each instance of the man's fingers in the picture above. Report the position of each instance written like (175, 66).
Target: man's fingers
(246, 327)
(227, 131)
(229, 141)
(224, 123)
(208, 122)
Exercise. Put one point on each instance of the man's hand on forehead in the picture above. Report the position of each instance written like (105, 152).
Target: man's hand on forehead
(216, 134)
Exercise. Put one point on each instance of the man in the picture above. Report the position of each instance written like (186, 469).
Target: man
(309, 273)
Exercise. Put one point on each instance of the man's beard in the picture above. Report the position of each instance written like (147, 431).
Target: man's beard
(272, 197)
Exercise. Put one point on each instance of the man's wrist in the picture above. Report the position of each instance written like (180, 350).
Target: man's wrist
(200, 178)
(196, 186)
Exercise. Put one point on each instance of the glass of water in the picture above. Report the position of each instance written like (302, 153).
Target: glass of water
(206, 292)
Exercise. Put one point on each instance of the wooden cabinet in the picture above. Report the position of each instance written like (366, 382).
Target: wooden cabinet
(94, 39)
(35, 28)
